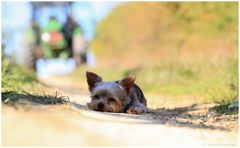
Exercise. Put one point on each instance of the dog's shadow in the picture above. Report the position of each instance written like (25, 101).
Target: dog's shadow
(177, 117)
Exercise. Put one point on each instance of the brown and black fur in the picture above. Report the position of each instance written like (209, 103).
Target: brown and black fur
(119, 96)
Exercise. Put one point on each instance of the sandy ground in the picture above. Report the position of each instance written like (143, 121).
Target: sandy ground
(166, 124)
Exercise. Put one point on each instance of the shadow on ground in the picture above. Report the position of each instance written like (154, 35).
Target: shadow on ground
(194, 116)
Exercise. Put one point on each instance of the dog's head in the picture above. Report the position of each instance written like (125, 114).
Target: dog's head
(109, 96)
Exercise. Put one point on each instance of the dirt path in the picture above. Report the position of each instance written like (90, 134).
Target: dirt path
(74, 125)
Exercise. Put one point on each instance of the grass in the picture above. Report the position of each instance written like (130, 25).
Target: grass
(14, 97)
(224, 109)
(15, 78)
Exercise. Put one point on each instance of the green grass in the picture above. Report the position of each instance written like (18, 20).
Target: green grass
(226, 107)
(15, 78)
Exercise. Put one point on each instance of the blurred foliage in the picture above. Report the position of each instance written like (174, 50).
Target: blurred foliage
(14, 76)
(154, 31)
(174, 48)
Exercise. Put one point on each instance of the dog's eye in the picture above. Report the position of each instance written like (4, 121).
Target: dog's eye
(111, 100)
(96, 96)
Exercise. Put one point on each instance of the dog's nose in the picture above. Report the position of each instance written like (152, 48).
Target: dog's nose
(100, 105)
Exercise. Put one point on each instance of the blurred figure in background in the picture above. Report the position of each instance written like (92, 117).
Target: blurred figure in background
(76, 41)
(53, 41)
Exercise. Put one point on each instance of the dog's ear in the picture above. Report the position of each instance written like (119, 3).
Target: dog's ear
(127, 83)
(92, 79)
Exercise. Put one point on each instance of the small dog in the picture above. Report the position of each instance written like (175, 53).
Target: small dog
(119, 96)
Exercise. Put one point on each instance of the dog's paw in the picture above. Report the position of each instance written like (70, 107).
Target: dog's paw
(134, 110)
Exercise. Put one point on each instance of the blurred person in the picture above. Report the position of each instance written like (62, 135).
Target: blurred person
(54, 43)
(80, 46)
(68, 31)
(76, 41)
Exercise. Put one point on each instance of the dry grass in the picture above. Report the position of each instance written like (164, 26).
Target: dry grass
(14, 97)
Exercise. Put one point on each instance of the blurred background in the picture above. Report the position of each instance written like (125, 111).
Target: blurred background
(50, 30)
(173, 48)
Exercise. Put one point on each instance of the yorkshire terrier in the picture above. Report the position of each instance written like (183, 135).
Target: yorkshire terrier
(122, 96)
